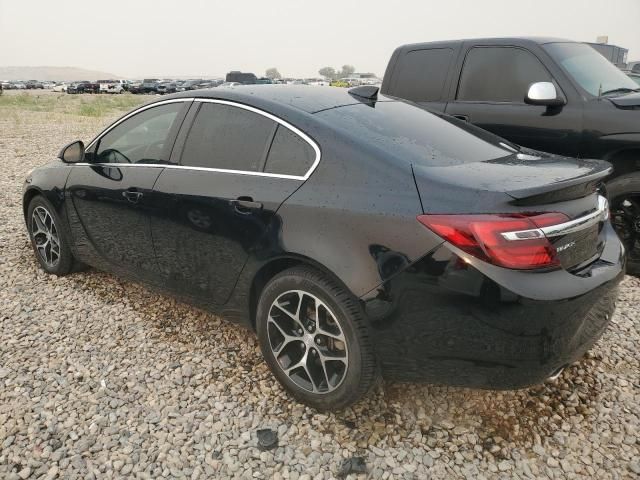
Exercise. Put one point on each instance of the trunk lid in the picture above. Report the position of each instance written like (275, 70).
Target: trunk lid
(526, 183)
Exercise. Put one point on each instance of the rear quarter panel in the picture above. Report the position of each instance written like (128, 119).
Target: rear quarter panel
(356, 216)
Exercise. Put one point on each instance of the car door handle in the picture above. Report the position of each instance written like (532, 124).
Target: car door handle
(464, 118)
(245, 205)
(132, 196)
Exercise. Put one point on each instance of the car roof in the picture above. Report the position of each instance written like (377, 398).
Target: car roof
(280, 98)
(499, 40)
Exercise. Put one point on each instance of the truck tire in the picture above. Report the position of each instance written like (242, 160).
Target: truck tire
(624, 195)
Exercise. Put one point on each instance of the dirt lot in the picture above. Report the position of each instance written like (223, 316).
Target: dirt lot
(104, 378)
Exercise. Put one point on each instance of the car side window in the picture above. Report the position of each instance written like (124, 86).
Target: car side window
(421, 74)
(141, 138)
(499, 74)
(290, 154)
(228, 137)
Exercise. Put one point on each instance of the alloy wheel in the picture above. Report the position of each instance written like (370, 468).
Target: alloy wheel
(45, 236)
(307, 341)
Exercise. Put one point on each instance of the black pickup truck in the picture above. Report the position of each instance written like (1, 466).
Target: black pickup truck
(547, 94)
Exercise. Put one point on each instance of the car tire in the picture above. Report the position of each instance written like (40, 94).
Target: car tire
(329, 365)
(618, 189)
(45, 229)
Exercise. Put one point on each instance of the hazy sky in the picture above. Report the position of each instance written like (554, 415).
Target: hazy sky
(197, 37)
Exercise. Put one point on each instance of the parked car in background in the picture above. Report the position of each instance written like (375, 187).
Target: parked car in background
(135, 86)
(204, 84)
(356, 233)
(110, 86)
(149, 85)
(164, 88)
(549, 94)
(91, 87)
(318, 82)
(61, 87)
(73, 88)
(241, 77)
(33, 84)
(188, 85)
(230, 84)
(83, 87)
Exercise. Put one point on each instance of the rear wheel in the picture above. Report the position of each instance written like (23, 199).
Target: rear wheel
(624, 192)
(48, 238)
(315, 340)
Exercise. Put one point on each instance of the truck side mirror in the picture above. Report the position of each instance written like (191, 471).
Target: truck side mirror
(544, 93)
(72, 153)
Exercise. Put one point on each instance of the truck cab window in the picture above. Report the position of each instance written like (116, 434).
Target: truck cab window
(499, 74)
(421, 74)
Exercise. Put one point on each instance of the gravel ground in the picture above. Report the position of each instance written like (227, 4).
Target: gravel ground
(104, 378)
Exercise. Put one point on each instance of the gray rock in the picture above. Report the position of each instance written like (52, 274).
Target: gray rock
(24, 473)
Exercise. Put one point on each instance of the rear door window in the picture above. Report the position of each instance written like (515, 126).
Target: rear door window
(499, 74)
(421, 74)
(228, 137)
(290, 154)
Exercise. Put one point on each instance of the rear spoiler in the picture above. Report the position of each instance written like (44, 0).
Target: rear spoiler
(563, 190)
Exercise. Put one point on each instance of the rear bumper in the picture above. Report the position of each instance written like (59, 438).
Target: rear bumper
(447, 321)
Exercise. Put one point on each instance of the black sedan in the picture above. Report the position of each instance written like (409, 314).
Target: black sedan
(357, 234)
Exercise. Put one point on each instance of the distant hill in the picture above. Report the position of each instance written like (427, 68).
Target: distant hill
(52, 73)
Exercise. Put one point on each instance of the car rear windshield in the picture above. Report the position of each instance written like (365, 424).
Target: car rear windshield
(406, 131)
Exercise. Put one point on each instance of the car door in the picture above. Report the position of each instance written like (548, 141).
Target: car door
(490, 93)
(110, 193)
(237, 166)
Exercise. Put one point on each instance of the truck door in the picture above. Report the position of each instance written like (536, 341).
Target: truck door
(490, 93)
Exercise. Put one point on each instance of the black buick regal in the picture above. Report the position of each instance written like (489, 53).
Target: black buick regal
(357, 234)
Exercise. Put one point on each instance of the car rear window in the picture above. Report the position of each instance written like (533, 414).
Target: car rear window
(403, 130)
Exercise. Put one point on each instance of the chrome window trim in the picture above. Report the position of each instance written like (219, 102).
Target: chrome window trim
(184, 167)
(601, 213)
(278, 120)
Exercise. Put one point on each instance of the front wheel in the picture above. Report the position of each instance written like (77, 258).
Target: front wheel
(48, 238)
(314, 338)
(624, 192)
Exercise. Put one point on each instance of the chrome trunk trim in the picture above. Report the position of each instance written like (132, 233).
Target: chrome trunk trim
(600, 214)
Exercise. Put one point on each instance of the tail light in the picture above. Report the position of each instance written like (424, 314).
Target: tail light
(507, 240)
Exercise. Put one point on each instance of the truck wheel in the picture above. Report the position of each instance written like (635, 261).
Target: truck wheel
(624, 193)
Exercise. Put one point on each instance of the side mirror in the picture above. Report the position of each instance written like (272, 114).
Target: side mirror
(72, 153)
(544, 93)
